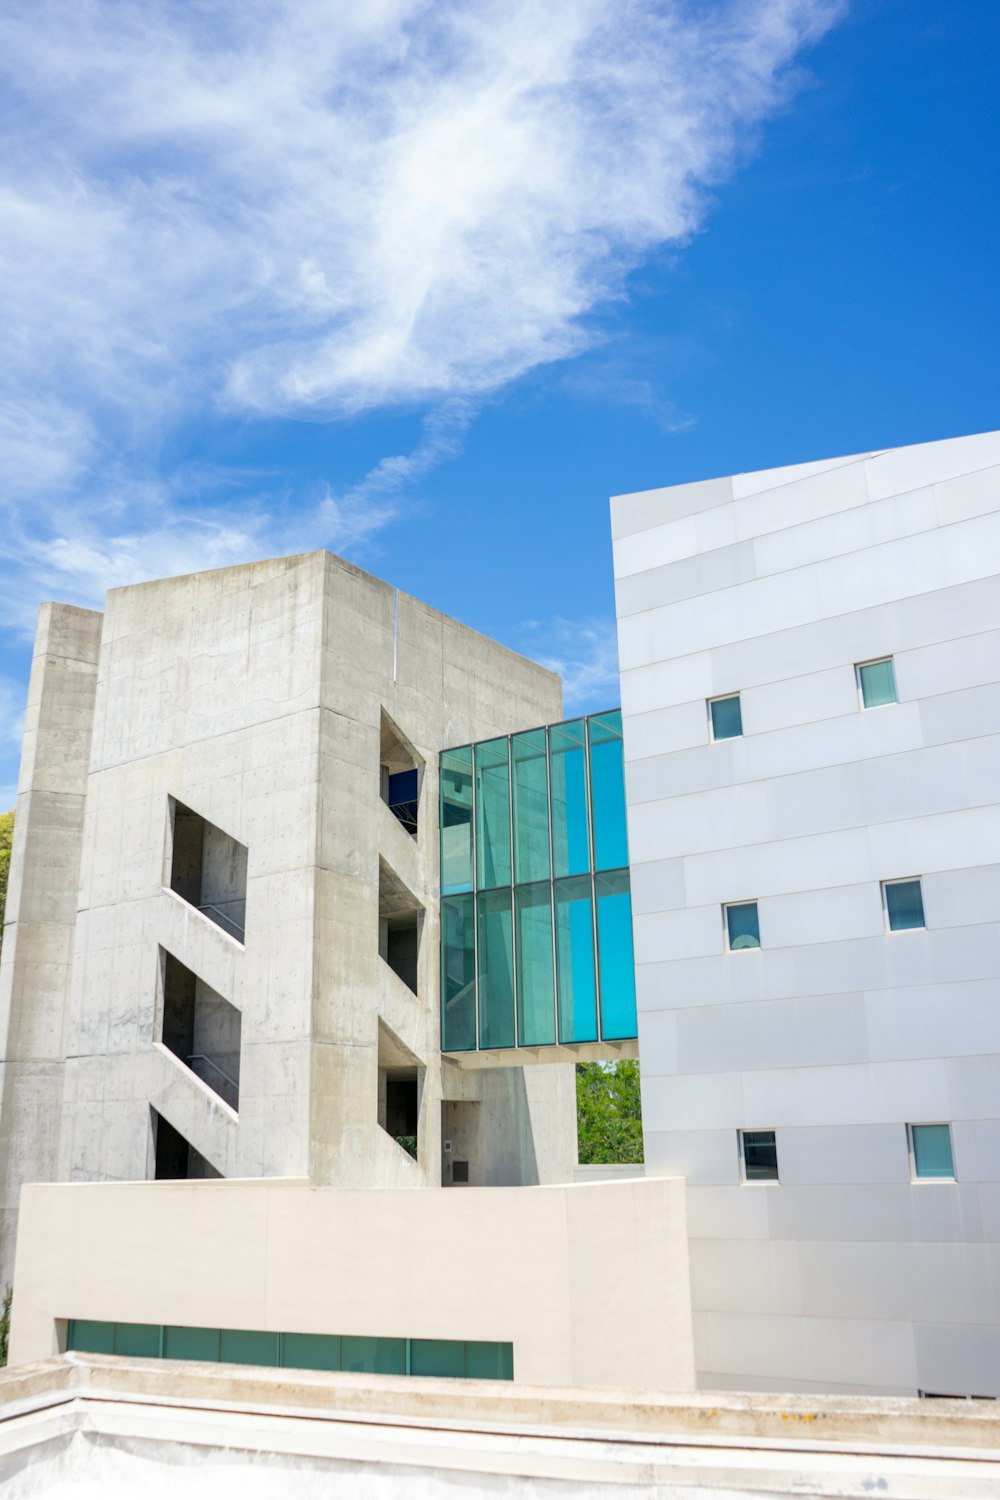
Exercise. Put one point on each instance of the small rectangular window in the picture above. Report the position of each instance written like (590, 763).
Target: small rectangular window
(724, 717)
(742, 926)
(930, 1152)
(876, 683)
(759, 1155)
(904, 905)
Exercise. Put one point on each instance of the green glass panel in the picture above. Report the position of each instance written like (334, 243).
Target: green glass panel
(536, 1010)
(311, 1351)
(496, 969)
(568, 774)
(905, 905)
(530, 780)
(240, 1346)
(485, 1361)
(437, 1357)
(743, 926)
(141, 1340)
(760, 1156)
(614, 947)
(492, 814)
(456, 819)
(89, 1337)
(727, 720)
(375, 1356)
(607, 791)
(191, 1343)
(932, 1151)
(458, 974)
(576, 986)
(878, 683)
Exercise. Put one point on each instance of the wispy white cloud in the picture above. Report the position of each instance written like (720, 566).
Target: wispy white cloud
(584, 653)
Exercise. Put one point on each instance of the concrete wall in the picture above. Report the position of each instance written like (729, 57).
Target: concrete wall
(559, 1272)
(836, 1034)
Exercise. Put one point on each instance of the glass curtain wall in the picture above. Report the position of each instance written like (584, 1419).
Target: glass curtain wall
(536, 917)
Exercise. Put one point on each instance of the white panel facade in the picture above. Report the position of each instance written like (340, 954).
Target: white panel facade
(847, 1273)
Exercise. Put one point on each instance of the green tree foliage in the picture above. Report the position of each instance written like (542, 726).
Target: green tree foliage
(5, 1325)
(6, 838)
(608, 1112)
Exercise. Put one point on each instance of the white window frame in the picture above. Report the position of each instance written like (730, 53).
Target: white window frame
(929, 1181)
(762, 1182)
(901, 880)
(725, 926)
(874, 661)
(722, 698)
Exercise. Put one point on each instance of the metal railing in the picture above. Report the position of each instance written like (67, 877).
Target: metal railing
(220, 1082)
(221, 919)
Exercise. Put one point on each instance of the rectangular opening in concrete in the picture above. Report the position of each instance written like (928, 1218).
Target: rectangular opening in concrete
(200, 1028)
(400, 927)
(174, 1157)
(401, 774)
(208, 868)
(400, 1076)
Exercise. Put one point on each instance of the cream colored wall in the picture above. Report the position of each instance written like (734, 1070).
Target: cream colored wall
(589, 1282)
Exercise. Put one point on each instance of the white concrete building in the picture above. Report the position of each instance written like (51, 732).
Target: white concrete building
(810, 668)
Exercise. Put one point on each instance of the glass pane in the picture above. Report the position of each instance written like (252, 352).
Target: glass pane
(536, 1011)
(744, 929)
(242, 1347)
(89, 1337)
(932, 1151)
(139, 1339)
(496, 969)
(568, 773)
(437, 1357)
(727, 720)
(905, 905)
(878, 683)
(531, 806)
(191, 1343)
(575, 961)
(614, 947)
(456, 820)
(760, 1156)
(311, 1351)
(375, 1356)
(492, 814)
(485, 1361)
(458, 974)
(607, 791)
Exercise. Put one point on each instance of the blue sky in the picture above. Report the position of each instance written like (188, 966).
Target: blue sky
(425, 283)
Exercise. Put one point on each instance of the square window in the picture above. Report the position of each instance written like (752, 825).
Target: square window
(930, 1151)
(904, 905)
(877, 683)
(759, 1155)
(742, 926)
(725, 718)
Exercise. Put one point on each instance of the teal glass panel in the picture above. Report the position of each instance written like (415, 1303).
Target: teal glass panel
(374, 1356)
(760, 1156)
(311, 1351)
(496, 969)
(456, 820)
(485, 1361)
(614, 948)
(576, 986)
(536, 991)
(89, 1337)
(492, 814)
(607, 791)
(878, 683)
(458, 974)
(743, 926)
(530, 780)
(141, 1340)
(904, 905)
(437, 1357)
(727, 720)
(191, 1343)
(932, 1151)
(568, 777)
(240, 1346)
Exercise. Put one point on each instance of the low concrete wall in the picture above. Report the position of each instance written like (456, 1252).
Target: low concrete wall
(589, 1282)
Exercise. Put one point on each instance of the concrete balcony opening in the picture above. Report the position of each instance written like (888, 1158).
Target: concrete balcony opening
(208, 868)
(401, 775)
(400, 927)
(174, 1157)
(200, 1028)
(400, 1077)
